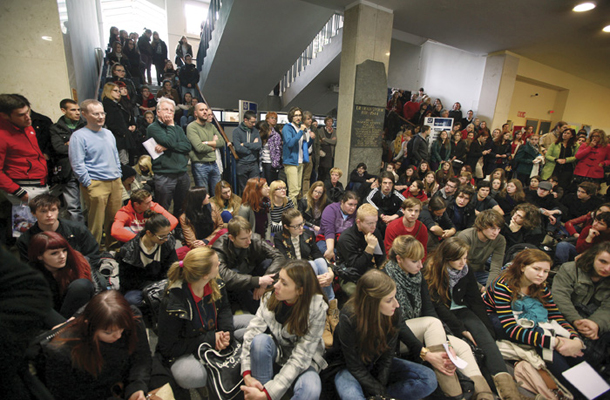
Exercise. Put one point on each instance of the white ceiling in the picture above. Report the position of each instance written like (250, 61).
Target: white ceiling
(547, 31)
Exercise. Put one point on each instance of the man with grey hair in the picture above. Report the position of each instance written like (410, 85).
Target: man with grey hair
(95, 161)
(171, 179)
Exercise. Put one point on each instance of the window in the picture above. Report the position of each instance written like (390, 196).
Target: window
(196, 14)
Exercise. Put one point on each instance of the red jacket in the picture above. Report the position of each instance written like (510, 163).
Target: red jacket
(581, 242)
(20, 158)
(127, 223)
(589, 159)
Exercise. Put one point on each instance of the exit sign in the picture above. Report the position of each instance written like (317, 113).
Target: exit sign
(521, 114)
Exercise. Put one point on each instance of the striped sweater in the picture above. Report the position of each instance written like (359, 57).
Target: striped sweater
(498, 300)
(276, 215)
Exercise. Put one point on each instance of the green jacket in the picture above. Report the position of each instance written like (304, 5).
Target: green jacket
(174, 160)
(573, 286)
(551, 155)
(198, 134)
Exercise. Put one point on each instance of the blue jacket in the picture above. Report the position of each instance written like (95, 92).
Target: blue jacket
(291, 145)
(248, 151)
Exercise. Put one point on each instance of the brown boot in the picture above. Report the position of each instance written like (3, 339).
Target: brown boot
(508, 390)
(332, 319)
(482, 391)
(449, 385)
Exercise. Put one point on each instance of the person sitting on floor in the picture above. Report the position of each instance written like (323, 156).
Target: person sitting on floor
(360, 247)
(407, 225)
(130, 219)
(336, 218)
(193, 284)
(522, 287)
(368, 332)
(283, 344)
(100, 354)
(146, 258)
(248, 264)
(312, 206)
(386, 200)
(582, 292)
(226, 201)
(296, 243)
(201, 221)
(485, 240)
(45, 208)
(66, 271)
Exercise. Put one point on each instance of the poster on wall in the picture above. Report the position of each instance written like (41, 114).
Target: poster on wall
(437, 125)
(244, 106)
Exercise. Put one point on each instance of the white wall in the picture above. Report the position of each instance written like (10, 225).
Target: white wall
(403, 68)
(176, 26)
(451, 75)
(31, 66)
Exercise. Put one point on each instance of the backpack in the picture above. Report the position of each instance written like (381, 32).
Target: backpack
(540, 381)
(410, 145)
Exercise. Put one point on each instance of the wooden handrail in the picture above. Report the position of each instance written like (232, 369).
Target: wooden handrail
(217, 124)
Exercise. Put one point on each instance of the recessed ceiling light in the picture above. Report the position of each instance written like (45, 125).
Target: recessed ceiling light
(47, 38)
(582, 7)
(606, 29)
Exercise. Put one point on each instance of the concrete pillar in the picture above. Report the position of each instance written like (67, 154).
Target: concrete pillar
(367, 36)
(497, 88)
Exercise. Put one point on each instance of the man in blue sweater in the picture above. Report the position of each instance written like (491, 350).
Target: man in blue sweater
(95, 161)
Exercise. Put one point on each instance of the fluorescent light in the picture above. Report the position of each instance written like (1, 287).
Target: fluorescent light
(582, 7)
(47, 38)
(606, 29)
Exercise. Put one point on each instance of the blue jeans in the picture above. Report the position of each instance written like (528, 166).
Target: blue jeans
(170, 187)
(192, 90)
(320, 267)
(565, 251)
(134, 297)
(407, 380)
(263, 351)
(206, 174)
(481, 277)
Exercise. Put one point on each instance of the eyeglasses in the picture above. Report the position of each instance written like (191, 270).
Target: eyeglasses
(100, 114)
(163, 237)
(299, 226)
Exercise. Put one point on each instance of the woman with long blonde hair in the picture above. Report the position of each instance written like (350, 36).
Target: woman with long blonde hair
(313, 204)
(195, 310)
(280, 202)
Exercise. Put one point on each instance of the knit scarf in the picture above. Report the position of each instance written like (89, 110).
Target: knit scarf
(455, 275)
(408, 290)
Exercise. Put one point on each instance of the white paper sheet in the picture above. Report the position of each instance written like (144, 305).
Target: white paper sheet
(587, 380)
(149, 145)
(461, 364)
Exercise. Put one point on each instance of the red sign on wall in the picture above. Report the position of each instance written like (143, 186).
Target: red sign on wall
(521, 114)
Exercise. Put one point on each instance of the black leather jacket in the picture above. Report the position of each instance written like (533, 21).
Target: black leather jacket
(177, 334)
(236, 269)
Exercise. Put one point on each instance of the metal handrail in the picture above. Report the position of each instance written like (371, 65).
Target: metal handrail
(323, 38)
(207, 28)
(99, 53)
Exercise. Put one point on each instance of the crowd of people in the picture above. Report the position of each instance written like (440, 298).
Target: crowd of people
(478, 240)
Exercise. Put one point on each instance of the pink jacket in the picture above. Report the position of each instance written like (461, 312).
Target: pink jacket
(589, 159)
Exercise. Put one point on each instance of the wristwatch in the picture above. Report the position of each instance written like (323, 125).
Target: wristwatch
(422, 354)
